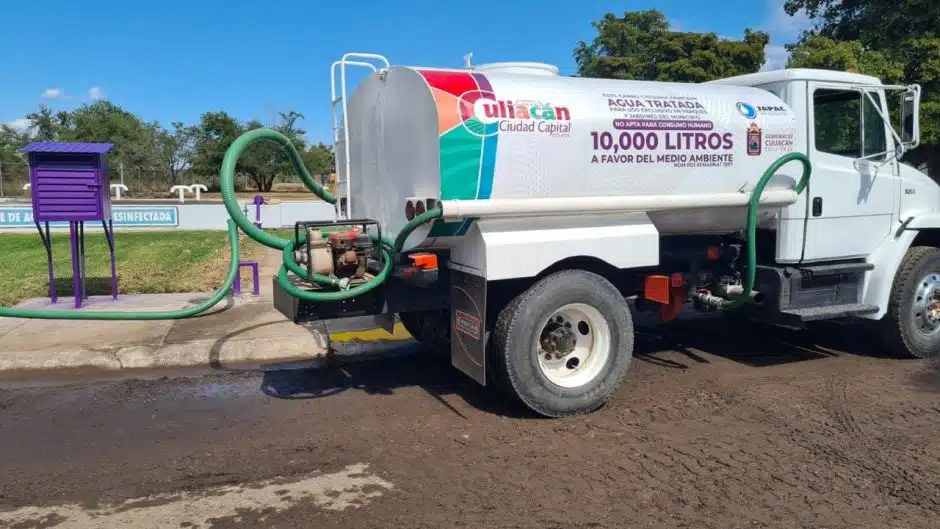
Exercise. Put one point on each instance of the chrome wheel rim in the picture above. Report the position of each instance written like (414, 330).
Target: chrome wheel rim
(574, 345)
(926, 305)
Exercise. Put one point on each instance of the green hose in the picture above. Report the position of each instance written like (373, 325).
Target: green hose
(154, 315)
(752, 208)
(238, 221)
(387, 247)
(227, 183)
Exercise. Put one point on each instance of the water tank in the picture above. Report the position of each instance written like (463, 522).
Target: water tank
(490, 133)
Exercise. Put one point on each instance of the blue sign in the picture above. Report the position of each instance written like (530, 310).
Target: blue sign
(139, 217)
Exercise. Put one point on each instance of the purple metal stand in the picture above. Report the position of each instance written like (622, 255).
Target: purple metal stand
(255, 290)
(79, 270)
(109, 235)
(77, 279)
(47, 243)
(69, 183)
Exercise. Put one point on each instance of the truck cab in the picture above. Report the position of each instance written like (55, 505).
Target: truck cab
(866, 222)
(858, 184)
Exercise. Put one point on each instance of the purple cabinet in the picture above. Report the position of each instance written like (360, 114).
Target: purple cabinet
(69, 181)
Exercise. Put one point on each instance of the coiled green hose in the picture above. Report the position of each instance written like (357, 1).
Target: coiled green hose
(752, 208)
(237, 221)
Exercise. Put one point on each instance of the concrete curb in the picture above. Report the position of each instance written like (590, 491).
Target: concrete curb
(288, 353)
(187, 354)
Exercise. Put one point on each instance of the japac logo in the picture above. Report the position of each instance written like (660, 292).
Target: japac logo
(483, 114)
(747, 110)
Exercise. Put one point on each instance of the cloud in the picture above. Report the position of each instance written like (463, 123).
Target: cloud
(53, 93)
(20, 125)
(776, 58)
(783, 29)
(95, 92)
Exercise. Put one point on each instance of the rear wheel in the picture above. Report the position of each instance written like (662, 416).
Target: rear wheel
(563, 345)
(431, 328)
(911, 328)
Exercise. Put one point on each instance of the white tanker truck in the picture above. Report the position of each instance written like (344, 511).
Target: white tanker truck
(557, 199)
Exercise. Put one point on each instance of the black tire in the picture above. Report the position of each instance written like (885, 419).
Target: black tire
(430, 328)
(899, 329)
(515, 343)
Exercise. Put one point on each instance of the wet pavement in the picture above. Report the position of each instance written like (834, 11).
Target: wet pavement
(709, 430)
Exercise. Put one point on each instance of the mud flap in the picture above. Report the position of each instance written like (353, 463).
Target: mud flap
(468, 322)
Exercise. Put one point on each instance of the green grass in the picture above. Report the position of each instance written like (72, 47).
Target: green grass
(147, 263)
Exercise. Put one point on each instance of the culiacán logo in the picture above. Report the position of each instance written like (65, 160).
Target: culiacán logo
(507, 115)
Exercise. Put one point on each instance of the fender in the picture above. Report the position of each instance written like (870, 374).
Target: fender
(523, 248)
(922, 221)
(876, 287)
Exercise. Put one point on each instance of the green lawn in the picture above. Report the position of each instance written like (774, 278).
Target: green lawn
(147, 262)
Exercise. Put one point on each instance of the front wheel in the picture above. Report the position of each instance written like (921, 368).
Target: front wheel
(911, 327)
(563, 345)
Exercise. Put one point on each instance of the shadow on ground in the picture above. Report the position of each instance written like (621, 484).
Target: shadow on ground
(382, 376)
(928, 378)
(695, 340)
(755, 345)
(94, 286)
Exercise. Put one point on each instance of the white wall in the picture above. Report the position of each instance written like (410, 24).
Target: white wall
(205, 216)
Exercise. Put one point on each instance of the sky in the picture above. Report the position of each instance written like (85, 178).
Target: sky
(172, 60)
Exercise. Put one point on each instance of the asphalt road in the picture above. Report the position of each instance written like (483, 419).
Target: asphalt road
(710, 430)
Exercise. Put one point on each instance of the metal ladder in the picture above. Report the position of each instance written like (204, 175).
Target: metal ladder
(343, 189)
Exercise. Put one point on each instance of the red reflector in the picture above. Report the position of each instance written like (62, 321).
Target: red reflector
(409, 210)
(419, 208)
(424, 261)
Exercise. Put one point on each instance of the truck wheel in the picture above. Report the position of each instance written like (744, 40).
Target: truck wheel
(563, 345)
(430, 328)
(911, 327)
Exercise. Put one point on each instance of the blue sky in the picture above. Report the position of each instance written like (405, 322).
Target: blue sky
(174, 59)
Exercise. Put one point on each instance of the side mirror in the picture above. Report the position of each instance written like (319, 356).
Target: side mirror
(910, 117)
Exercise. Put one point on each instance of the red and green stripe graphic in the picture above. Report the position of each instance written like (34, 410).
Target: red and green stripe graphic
(467, 145)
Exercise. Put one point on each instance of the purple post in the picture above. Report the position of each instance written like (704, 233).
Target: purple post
(47, 243)
(255, 290)
(76, 288)
(109, 236)
(259, 201)
(70, 184)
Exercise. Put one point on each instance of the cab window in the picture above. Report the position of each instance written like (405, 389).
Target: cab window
(846, 123)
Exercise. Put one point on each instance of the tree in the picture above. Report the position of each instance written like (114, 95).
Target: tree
(214, 135)
(177, 150)
(265, 161)
(640, 45)
(878, 24)
(823, 52)
(895, 40)
(262, 162)
(320, 160)
(44, 123)
(13, 164)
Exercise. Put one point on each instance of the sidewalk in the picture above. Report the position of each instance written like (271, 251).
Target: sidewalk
(239, 330)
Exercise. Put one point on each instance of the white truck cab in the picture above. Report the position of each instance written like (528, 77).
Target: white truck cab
(858, 185)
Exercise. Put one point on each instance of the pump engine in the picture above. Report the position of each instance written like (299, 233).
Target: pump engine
(349, 255)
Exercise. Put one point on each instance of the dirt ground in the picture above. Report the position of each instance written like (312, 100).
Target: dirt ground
(711, 429)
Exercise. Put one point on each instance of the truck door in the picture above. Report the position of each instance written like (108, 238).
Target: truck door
(851, 199)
